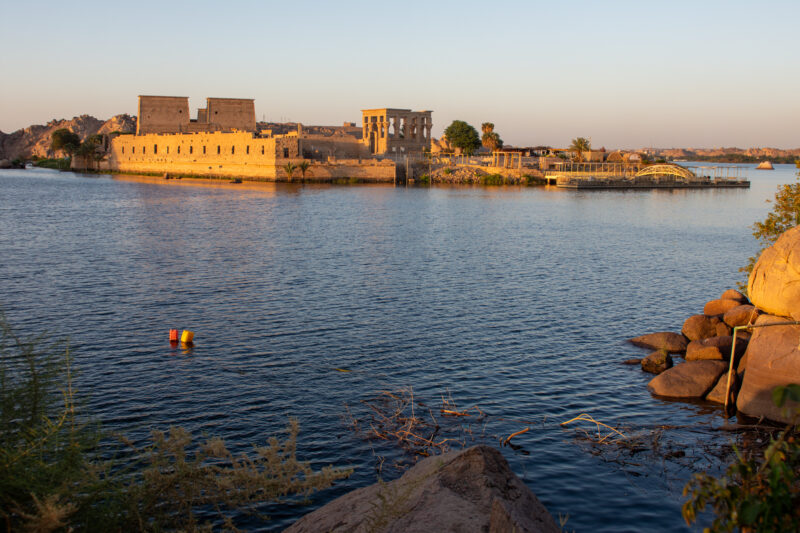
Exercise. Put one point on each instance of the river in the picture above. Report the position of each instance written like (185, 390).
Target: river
(516, 300)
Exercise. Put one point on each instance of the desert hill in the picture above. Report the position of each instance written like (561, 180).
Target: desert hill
(35, 140)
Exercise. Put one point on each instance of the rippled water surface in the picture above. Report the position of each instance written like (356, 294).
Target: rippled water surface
(515, 299)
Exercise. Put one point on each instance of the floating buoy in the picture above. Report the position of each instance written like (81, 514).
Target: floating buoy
(173, 335)
(187, 336)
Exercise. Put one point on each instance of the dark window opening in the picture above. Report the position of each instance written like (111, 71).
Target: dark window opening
(247, 150)
(179, 149)
(262, 150)
(191, 149)
(218, 152)
(204, 149)
(123, 149)
(233, 150)
(155, 148)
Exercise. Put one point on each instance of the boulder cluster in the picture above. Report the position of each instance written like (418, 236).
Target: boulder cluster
(766, 352)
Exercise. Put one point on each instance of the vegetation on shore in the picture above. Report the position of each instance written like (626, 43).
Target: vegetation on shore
(62, 163)
(463, 136)
(758, 492)
(53, 476)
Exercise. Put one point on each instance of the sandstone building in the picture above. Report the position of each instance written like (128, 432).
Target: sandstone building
(223, 140)
(170, 114)
(390, 130)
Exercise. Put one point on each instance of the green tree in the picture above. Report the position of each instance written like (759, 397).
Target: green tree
(490, 139)
(579, 146)
(65, 140)
(784, 216)
(461, 135)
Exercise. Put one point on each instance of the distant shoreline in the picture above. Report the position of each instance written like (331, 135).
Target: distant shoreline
(743, 159)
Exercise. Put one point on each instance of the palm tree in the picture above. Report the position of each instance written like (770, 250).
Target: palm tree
(490, 139)
(579, 146)
(290, 168)
(304, 167)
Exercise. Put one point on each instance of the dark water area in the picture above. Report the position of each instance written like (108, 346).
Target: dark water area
(518, 300)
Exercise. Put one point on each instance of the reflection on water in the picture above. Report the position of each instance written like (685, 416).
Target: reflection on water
(514, 299)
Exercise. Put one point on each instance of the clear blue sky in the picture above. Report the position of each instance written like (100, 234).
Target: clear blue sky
(626, 74)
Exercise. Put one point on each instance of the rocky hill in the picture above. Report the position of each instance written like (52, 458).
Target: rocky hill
(35, 140)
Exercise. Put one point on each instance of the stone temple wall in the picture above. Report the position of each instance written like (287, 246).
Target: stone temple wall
(226, 114)
(162, 114)
(238, 154)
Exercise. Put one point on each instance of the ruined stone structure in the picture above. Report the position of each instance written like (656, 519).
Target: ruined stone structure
(223, 141)
(170, 114)
(163, 114)
(392, 131)
(236, 154)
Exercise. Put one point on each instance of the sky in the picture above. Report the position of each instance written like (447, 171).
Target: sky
(624, 74)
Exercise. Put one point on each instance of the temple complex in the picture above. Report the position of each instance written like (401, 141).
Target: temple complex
(224, 140)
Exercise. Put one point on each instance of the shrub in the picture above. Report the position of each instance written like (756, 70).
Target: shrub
(56, 164)
(52, 478)
(754, 494)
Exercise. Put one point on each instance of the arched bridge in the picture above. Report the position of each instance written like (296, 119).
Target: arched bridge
(667, 169)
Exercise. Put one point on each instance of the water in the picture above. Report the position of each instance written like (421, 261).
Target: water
(515, 299)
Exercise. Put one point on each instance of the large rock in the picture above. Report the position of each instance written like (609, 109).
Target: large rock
(774, 284)
(773, 359)
(741, 315)
(717, 394)
(657, 362)
(469, 490)
(664, 340)
(733, 294)
(692, 379)
(717, 348)
(698, 327)
(719, 307)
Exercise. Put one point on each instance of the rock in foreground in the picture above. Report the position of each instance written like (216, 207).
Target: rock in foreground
(692, 379)
(468, 490)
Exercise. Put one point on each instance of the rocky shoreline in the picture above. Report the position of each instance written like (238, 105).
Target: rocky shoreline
(738, 350)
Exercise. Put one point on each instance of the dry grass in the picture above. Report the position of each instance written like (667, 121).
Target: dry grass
(399, 419)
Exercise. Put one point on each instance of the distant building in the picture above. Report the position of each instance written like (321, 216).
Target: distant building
(170, 114)
(392, 131)
(224, 140)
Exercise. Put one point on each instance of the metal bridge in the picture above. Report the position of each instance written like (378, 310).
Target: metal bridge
(668, 169)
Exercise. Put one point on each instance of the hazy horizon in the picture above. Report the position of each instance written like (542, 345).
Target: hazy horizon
(627, 75)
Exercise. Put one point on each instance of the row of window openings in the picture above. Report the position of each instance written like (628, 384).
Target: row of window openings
(191, 150)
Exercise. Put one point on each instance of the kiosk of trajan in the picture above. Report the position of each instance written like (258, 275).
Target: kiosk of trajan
(223, 140)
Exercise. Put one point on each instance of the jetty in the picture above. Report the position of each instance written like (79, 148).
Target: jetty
(595, 176)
